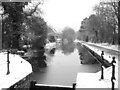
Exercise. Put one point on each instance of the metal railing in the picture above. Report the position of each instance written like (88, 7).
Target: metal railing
(8, 63)
(113, 73)
(101, 59)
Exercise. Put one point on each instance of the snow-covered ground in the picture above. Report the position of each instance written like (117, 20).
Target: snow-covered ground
(93, 79)
(108, 46)
(105, 45)
(107, 56)
(19, 68)
(50, 45)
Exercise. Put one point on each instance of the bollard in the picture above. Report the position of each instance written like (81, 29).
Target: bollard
(74, 85)
(8, 62)
(102, 72)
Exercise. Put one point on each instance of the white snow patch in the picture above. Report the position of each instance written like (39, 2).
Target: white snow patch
(19, 68)
(92, 80)
(50, 45)
(107, 45)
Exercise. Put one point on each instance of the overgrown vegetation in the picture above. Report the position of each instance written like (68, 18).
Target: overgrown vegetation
(22, 26)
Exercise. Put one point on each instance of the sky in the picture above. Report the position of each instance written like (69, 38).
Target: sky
(62, 13)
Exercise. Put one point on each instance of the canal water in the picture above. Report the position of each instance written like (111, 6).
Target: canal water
(63, 66)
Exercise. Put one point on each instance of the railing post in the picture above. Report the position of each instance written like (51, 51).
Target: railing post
(102, 72)
(102, 55)
(102, 69)
(113, 68)
(8, 62)
(113, 73)
(113, 84)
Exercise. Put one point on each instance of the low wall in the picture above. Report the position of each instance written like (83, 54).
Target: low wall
(88, 56)
(85, 56)
(22, 84)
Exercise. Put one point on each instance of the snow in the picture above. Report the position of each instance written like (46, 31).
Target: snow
(50, 45)
(89, 80)
(106, 45)
(19, 68)
(107, 56)
(93, 79)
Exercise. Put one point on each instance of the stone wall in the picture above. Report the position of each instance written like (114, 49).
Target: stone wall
(85, 56)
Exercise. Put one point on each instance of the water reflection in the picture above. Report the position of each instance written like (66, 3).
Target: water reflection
(63, 66)
(68, 48)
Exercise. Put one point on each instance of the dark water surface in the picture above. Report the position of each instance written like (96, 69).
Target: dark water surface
(63, 66)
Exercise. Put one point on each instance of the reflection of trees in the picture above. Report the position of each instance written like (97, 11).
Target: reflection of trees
(68, 35)
(68, 48)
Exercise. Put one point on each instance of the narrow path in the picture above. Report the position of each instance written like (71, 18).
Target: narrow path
(110, 51)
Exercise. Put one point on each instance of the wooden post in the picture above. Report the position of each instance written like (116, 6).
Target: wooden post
(8, 62)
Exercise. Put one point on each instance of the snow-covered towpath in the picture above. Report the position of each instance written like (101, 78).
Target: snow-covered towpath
(19, 68)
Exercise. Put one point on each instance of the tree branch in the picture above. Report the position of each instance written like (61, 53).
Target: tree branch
(33, 10)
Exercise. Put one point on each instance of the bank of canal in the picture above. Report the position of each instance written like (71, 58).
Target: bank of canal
(63, 67)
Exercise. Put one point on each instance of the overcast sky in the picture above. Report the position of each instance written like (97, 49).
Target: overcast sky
(61, 13)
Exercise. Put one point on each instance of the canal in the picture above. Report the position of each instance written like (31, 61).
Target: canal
(63, 66)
